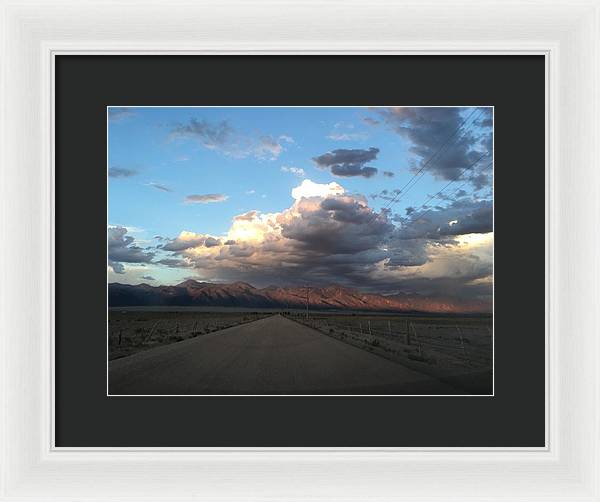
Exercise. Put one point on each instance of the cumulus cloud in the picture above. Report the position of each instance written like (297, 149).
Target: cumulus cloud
(205, 198)
(429, 129)
(121, 172)
(388, 174)
(348, 162)
(122, 249)
(222, 137)
(309, 188)
(328, 235)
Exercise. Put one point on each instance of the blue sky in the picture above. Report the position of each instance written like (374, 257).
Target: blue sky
(195, 169)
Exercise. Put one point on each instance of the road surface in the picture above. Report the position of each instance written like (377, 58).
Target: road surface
(273, 355)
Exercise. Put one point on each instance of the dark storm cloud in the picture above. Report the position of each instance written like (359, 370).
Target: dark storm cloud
(388, 174)
(148, 278)
(410, 253)
(469, 292)
(121, 172)
(460, 217)
(122, 249)
(236, 251)
(338, 225)
(338, 238)
(180, 244)
(347, 163)
(429, 129)
(347, 210)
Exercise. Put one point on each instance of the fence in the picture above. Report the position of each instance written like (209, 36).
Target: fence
(469, 346)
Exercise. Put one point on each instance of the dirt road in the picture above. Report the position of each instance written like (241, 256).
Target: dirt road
(270, 356)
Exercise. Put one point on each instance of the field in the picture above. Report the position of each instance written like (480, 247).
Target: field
(134, 330)
(458, 349)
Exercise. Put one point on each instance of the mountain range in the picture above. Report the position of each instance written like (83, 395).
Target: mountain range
(241, 294)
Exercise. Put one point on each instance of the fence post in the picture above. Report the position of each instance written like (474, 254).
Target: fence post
(462, 344)
(151, 332)
(408, 325)
(360, 325)
(390, 327)
(369, 321)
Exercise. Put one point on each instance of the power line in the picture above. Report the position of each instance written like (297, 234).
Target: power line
(307, 293)
(456, 179)
(420, 173)
(449, 183)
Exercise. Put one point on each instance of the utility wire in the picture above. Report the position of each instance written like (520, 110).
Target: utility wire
(448, 184)
(420, 173)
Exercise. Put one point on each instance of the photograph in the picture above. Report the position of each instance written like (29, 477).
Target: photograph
(300, 251)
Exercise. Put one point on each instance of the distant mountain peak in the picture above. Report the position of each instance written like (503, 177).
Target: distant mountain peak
(241, 294)
(191, 283)
(241, 284)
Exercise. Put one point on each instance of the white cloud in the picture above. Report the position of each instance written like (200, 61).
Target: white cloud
(222, 137)
(346, 136)
(309, 188)
(296, 171)
(205, 198)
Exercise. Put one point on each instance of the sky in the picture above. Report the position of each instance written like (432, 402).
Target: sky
(388, 200)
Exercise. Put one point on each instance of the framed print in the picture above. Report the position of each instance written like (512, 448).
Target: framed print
(342, 287)
(255, 253)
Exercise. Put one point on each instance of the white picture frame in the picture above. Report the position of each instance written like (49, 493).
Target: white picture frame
(567, 33)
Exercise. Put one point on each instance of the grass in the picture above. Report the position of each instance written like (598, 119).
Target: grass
(133, 331)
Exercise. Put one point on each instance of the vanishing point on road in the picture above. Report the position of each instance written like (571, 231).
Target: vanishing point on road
(271, 356)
